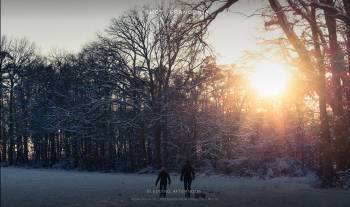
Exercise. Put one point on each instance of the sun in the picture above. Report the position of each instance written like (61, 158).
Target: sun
(270, 79)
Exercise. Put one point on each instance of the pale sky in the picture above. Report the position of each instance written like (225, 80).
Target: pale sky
(69, 24)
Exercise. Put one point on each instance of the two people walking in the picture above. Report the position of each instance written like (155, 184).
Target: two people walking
(187, 176)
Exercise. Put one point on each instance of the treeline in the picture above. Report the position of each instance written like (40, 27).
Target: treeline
(126, 101)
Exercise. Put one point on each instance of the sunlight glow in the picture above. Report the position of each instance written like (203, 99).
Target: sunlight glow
(270, 79)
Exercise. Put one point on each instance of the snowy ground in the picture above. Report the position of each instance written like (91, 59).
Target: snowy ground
(54, 188)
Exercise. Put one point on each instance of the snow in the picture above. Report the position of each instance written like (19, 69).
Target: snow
(344, 179)
(57, 188)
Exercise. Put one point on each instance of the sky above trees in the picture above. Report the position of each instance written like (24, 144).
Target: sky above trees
(69, 24)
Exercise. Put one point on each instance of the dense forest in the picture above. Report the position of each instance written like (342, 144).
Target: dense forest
(148, 92)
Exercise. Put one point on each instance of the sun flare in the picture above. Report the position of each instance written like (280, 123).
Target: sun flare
(270, 79)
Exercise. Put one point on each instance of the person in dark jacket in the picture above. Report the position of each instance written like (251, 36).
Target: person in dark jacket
(163, 177)
(187, 175)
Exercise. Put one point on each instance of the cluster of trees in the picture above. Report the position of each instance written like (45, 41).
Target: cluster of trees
(316, 38)
(323, 49)
(146, 93)
(115, 104)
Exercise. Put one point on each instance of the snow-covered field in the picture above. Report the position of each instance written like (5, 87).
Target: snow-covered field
(55, 188)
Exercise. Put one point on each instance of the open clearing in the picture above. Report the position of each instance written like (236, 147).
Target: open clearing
(58, 188)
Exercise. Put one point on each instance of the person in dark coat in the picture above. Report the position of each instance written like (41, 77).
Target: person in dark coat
(164, 178)
(187, 175)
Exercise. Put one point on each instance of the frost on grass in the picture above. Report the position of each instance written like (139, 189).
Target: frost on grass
(56, 188)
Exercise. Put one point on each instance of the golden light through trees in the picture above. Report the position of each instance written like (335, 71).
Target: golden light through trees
(270, 78)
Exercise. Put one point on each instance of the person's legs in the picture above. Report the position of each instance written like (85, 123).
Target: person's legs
(162, 189)
(187, 186)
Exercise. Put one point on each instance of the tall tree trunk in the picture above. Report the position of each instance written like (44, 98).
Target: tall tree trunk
(326, 166)
(11, 124)
(143, 144)
(157, 112)
(157, 142)
(347, 86)
(25, 148)
(24, 105)
(337, 67)
(53, 157)
(335, 60)
(165, 134)
(2, 118)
